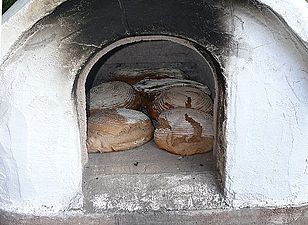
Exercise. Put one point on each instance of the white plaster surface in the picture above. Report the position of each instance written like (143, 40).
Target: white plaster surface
(39, 135)
(295, 14)
(267, 127)
(21, 17)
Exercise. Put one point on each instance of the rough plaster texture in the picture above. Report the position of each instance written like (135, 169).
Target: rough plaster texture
(267, 118)
(40, 163)
(295, 14)
(40, 149)
(21, 17)
(266, 74)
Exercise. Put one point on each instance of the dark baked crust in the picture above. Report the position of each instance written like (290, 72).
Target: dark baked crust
(118, 129)
(115, 94)
(185, 132)
(180, 97)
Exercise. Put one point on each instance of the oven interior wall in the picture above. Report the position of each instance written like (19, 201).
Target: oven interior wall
(155, 55)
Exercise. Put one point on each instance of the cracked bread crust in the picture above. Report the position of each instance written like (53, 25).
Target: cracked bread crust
(117, 130)
(114, 94)
(180, 97)
(133, 76)
(185, 131)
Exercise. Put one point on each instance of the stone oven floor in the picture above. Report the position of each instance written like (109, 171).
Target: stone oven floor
(149, 179)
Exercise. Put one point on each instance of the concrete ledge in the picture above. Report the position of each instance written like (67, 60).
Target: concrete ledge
(260, 216)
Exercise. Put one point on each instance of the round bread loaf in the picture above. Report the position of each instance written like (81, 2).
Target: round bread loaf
(180, 97)
(184, 131)
(118, 129)
(114, 94)
(153, 87)
(133, 76)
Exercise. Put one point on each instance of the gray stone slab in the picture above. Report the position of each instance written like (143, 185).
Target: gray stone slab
(150, 179)
(152, 192)
(246, 216)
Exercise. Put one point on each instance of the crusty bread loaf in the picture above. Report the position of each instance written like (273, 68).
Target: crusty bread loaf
(114, 94)
(133, 76)
(185, 131)
(118, 129)
(180, 97)
(153, 87)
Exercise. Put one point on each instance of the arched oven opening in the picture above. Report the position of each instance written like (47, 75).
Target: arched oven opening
(153, 111)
